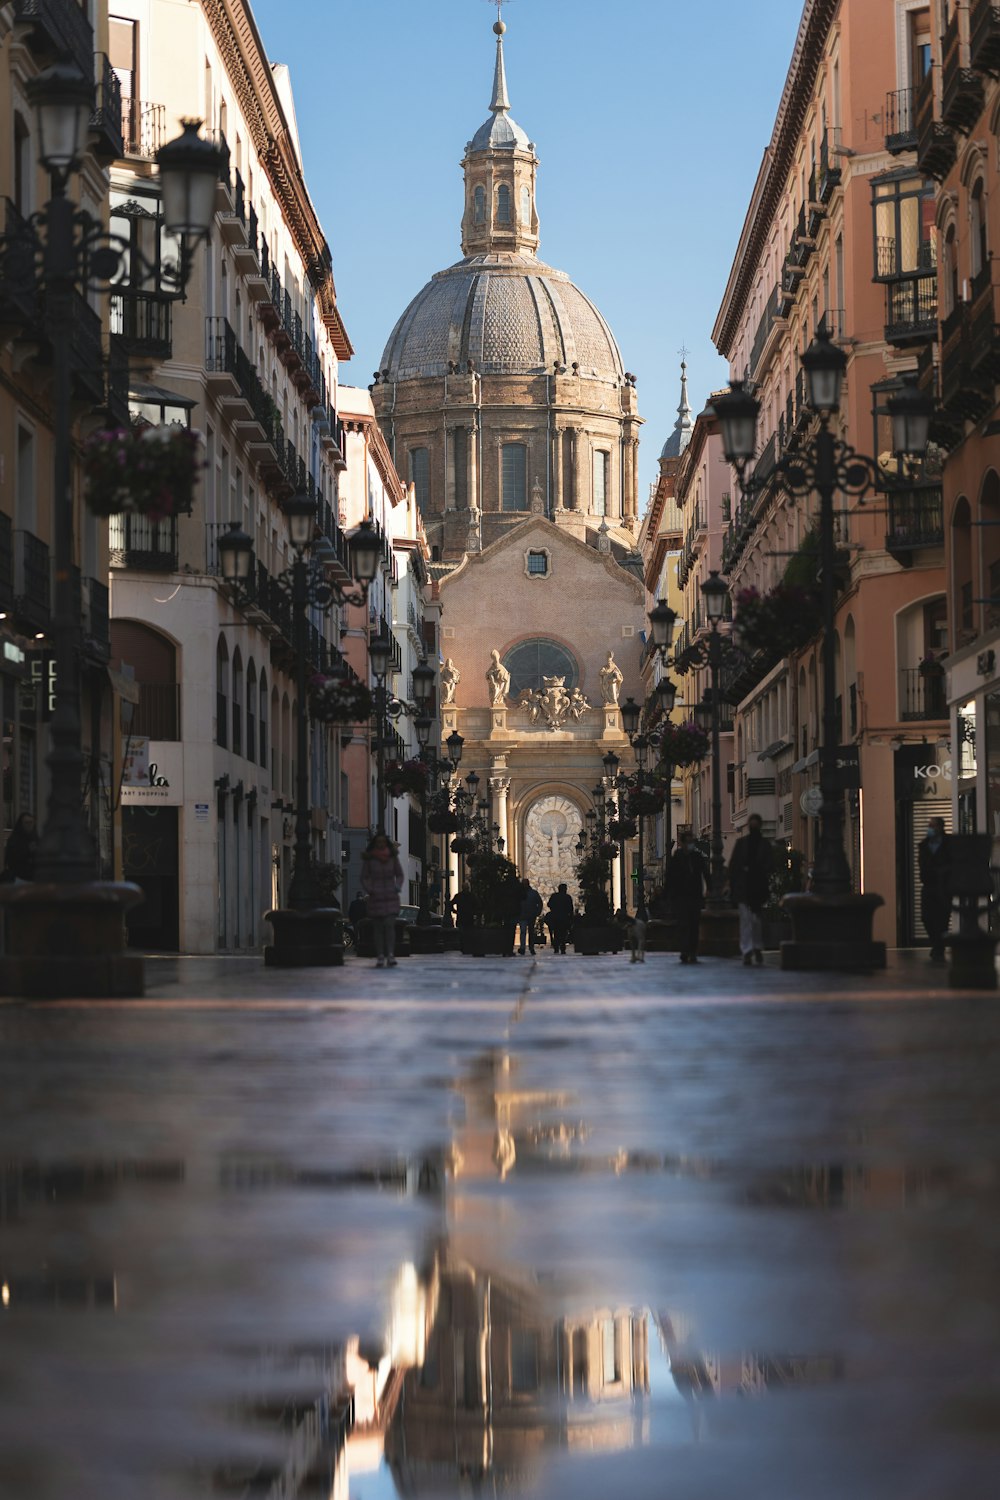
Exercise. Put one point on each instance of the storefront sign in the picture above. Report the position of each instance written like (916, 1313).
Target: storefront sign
(922, 772)
(153, 773)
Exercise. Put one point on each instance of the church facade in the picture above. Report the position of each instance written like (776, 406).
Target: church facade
(505, 401)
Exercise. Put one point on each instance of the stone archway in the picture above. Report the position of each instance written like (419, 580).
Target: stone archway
(552, 825)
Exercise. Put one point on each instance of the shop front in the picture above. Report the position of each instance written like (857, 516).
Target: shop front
(923, 790)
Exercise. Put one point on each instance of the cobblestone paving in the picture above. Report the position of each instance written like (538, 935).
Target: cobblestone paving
(566, 1226)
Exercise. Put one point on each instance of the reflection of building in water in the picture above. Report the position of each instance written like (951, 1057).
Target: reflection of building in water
(503, 1377)
(698, 1374)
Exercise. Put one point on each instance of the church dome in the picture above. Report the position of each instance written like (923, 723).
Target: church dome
(509, 314)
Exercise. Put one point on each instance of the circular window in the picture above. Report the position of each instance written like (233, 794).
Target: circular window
(530, 661)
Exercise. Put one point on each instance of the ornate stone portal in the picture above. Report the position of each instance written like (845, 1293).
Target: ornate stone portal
(551, 828)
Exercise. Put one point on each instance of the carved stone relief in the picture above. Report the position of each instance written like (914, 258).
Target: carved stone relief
(551, 829)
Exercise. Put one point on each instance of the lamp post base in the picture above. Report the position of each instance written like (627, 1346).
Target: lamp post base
(305, 939)
(67, 942)
(719, 933)
(832, 933)
(973, 961)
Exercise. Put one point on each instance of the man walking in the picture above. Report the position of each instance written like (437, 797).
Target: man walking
(934, 866)
(749, 881)
(686, 884)
(528, 913)
(560, 917)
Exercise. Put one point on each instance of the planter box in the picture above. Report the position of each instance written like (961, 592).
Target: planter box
(607, 938)
(482, 942)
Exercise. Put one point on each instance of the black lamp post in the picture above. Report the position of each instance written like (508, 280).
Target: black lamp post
(611, 764)
(665, 694)
(423, 724)
(379, 657)
(303, 930)
(832, 924)
(63, 252)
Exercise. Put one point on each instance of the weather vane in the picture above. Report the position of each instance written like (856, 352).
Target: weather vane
(684, 351)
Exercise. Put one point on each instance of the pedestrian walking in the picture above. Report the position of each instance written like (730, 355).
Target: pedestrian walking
(19, 852)
(382, 881)
(749, 883)
(934, 868)
(463, 908)
(686, 884)
(560, 918)
(528, 913)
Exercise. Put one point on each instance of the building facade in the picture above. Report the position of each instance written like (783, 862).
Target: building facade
(505, 402)
(840, 231)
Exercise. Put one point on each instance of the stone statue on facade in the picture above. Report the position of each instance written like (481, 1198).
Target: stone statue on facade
(450, 678)
(498, 681)
(537, 498)
(611, 679)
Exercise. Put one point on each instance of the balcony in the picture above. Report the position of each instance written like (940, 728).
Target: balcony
(271, 303)
(922, 695)
(915, 521)
(766, 463)
(20, 309)
(148, 546)
(233, 218)
(963, 97)
(936, 150)
(6, 563)
(32, 596)
(984, 328)
(57, 30)
(245, 252)
(911, 311)
(984, 35)
(829, 165)
(900, 122)
(143, 322)
(142, 128)
(107, 138)
(96, 630)
(771, 314)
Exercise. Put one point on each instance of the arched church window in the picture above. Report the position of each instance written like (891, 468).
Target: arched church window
(479, 205)
(420, 477)
(514, 476)
(601, 465)
(525, 206)
(503, 204)
(531, 661)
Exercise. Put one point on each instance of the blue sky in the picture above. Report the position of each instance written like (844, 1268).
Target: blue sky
(649, 117)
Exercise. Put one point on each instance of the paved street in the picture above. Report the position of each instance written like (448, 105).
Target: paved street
(567, 1226)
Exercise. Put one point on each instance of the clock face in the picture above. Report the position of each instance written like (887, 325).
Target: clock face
(811, 801)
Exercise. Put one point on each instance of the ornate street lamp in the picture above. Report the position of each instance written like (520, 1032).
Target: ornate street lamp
(454, 745)
(305, 932)
(64, 253)
(832, 924)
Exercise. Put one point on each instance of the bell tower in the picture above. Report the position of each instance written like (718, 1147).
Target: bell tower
(500, 166)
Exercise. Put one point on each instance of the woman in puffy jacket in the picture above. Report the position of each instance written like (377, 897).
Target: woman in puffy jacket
(382, 881)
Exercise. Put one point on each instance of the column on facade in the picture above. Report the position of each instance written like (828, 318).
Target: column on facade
(616, 878)
(582, 480)
(500, 786)
(473, 461)
(569, 490)
(556, 497)
(449, 468)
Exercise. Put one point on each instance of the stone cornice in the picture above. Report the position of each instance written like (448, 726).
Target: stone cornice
(518, 536)
(242, 49)
(817, 18)
(364, 422)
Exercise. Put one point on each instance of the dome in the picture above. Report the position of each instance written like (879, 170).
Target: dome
(509, 314)
(500, 133)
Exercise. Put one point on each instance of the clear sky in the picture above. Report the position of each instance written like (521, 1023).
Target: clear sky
(650, 118)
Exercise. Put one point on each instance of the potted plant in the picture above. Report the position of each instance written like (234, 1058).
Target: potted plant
(149, 470)
(335, 698)
(495, 887)
(441, 817)
(645, 801)
(681, 745)
(931, 665)
(402, 776)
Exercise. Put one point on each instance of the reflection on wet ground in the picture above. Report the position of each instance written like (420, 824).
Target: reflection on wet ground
(541, 1243)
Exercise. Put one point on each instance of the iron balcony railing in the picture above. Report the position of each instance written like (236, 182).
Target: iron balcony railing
(915, 519)
(31, 578)
(106, 116)
(963, 96)
(922, 694)
(772, 310)
(6, 562)
(137, 542)
(900, 121)
(911, 309)
(984, 35)
(142, 127)
(144, 322)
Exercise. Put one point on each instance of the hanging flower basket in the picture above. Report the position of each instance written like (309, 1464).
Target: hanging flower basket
(645, 802)
(779, 622)
(622, 828)
(442, 822)
(607, 850)
(402, 776)
(148, 470)
(463, 846)
(338, 699)
(683, 744)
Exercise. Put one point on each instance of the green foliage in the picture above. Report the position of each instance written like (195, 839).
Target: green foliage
(494, 883)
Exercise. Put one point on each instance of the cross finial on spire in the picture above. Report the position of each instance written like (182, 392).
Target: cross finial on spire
(500, 101)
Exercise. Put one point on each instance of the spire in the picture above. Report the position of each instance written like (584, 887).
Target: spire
(500, 100)
(683, 427)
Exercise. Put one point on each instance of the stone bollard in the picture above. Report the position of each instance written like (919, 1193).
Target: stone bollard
(973, 949)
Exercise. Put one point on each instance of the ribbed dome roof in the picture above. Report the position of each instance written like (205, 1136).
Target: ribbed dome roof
(509, 314)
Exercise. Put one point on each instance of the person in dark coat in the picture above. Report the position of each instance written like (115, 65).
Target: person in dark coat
(749, 883)
(934, 867)
(19, 853)
(463, 907)
(560, 918)
(687, 882)
(528, 913)
(382, 881)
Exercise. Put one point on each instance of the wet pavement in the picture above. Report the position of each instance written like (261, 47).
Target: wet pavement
(562, 1227)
